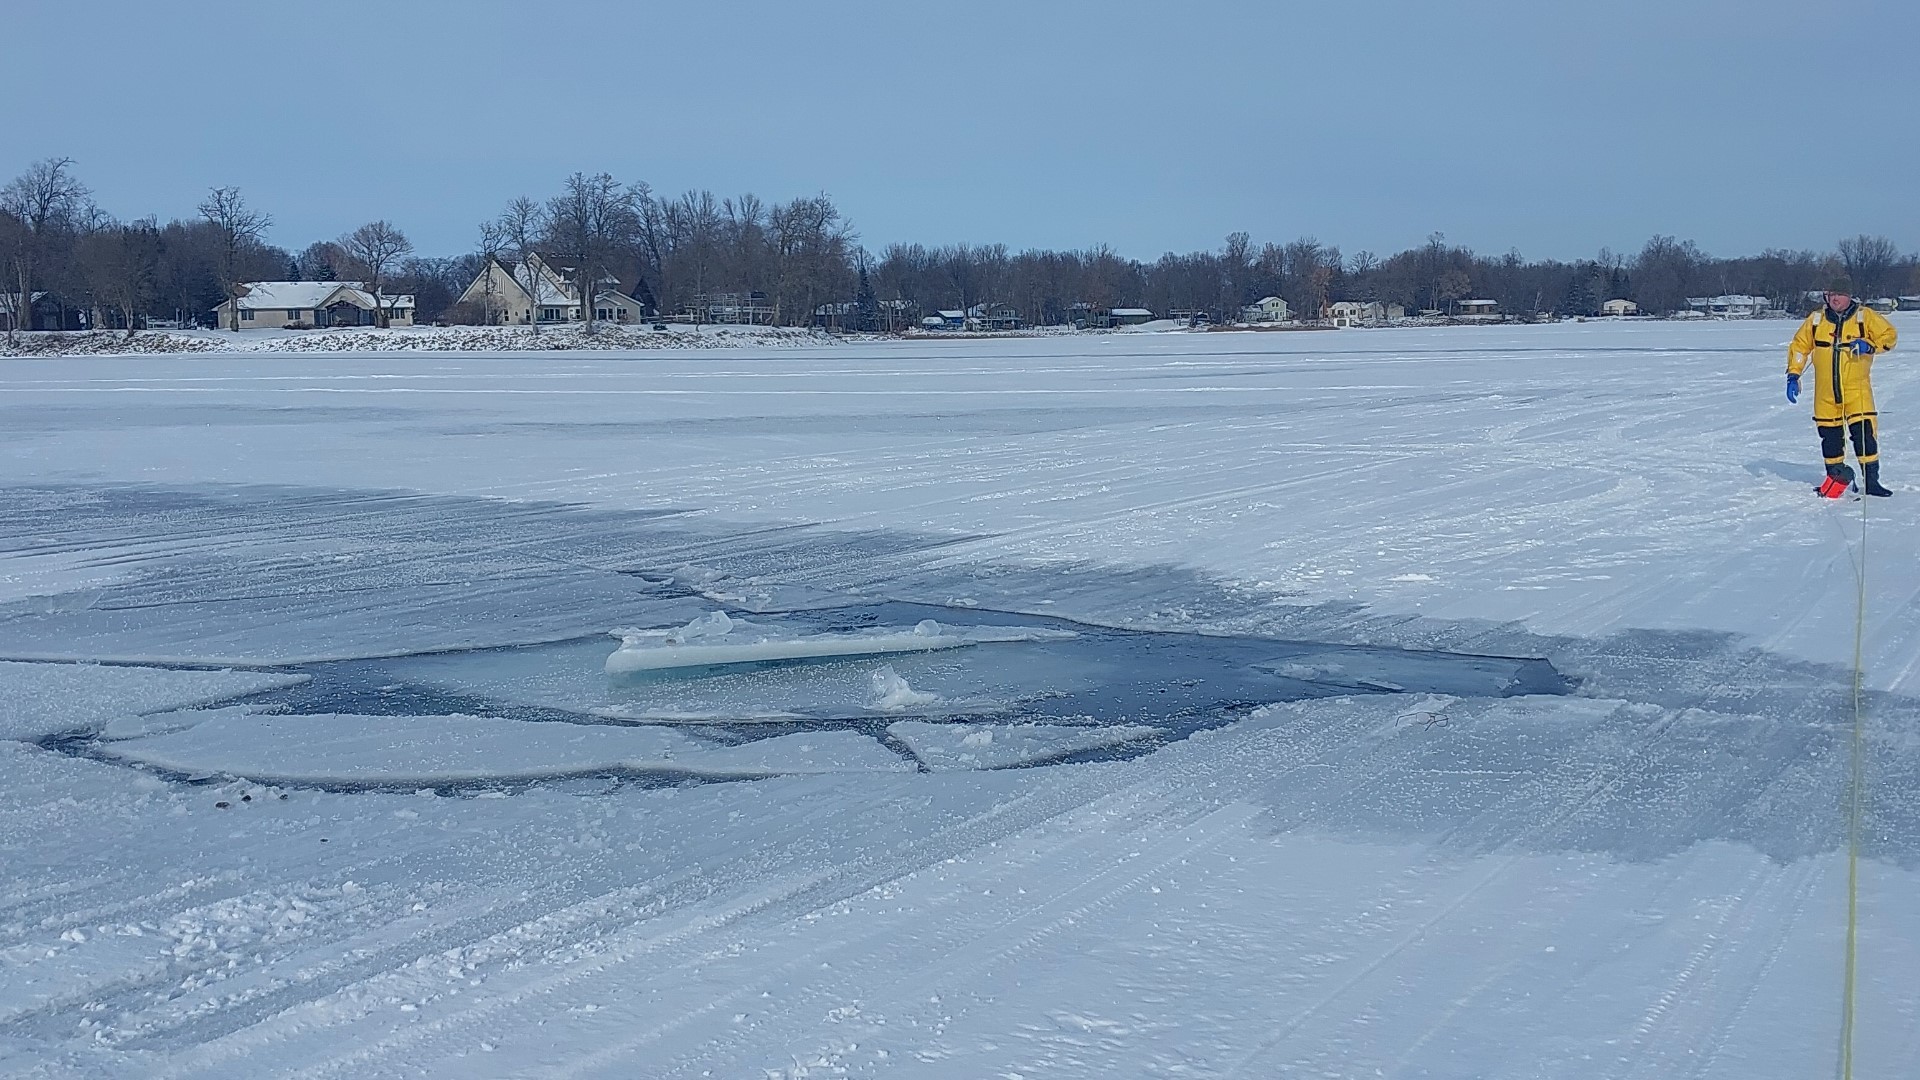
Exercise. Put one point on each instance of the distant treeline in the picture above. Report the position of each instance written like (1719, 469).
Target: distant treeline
(84, 266)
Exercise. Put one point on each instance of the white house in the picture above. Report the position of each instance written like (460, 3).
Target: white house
(546, 289)
(1268, 309)
(614, 306)
(506, 296)
(1131, 316)
(1619, 307)
(1476, 309)
(273, 305)
(1363, 312)
(1734, 306)
(993, 317)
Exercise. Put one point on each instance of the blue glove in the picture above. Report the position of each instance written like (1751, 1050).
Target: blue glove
(1793, 388)
(1860, 347)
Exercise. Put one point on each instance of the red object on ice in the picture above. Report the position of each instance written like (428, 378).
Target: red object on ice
(1832, 487)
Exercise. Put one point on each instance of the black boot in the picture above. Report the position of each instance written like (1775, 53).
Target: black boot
(1872, 477)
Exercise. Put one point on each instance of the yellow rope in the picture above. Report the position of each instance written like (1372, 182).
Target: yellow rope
(1856, 782)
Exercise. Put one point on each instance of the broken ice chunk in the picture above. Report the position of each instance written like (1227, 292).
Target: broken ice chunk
(891, 693)
(715, 639)
(947, 747)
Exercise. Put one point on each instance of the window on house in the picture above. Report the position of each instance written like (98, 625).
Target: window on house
(246, 314)
(293, 314)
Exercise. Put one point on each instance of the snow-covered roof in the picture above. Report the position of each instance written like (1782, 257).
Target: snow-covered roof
(1267, 300)
(303, 295)
(549, 293)
(1131, 311)
(1478, 303)
(954, 314)
(1731, 300)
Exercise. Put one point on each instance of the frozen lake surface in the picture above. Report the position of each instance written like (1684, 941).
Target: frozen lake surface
(1440, 702)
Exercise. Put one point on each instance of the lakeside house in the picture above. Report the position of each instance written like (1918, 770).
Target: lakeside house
(1267, 309)
(1364, 312)
(278, 305)
(546, 288)
(1735, 306)
(994, 317)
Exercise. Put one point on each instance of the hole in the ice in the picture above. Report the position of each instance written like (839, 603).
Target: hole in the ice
(1099, 694)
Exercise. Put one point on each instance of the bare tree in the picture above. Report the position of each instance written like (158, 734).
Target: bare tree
(520, 227)
(13, 237)
(596, 221)
(492, 240)
(1664, 273)
(1869, 261)
(699, 234)
(376, 248)
(47, 203)
(240, 228)
(121, 265)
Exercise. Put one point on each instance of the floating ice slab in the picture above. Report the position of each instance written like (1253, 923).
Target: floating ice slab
(1392, 671)
(802, 752)
(140, 727)
(958, 747)
(716, 640)
(429, 750)
(37, 700)
(571, 677)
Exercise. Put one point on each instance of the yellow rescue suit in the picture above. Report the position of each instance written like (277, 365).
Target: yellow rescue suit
(1842, 381)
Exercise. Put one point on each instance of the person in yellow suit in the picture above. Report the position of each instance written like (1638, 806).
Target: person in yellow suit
(1840, 341)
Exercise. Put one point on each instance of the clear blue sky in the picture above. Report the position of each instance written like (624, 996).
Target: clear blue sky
(1553, 128)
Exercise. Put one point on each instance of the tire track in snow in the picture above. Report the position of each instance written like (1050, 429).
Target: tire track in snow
(956, 940)
(1065, 909)
(1515, 852)
(610, 944)
(1808, 874)
(1666, 1035)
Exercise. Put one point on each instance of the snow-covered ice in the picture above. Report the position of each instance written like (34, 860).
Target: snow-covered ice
(1372, 831)
(37, 700)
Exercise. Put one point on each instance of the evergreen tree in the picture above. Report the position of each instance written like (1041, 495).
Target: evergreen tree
(316, 263)
(1579, 299)
(866, 307)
